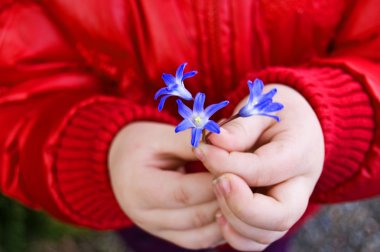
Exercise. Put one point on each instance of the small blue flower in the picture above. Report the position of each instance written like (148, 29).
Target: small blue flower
(198, 119)
(259, 103)
(175, 86)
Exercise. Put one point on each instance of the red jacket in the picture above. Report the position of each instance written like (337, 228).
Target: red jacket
(72, 73)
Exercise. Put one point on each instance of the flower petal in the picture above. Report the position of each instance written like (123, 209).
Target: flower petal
(258, 87)
(184, 125)
(246, 111)
(179, 72)
(168, 79)
(162, 91)
(258, 103)
(199, 102)
(196, 135)
(251, 93)
(262, 105)
(173, 87)
(210, 110)
(273, 107)
(184, 110)
(271, 116)
(184, 93)
(162, 102)
(189, 74)
(212, 126)
(268, 95)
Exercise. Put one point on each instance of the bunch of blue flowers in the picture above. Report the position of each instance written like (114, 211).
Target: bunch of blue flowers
(198, 119)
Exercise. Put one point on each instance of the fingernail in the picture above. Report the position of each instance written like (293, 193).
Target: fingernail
(220, 219)
(222, 186)
(199, 154)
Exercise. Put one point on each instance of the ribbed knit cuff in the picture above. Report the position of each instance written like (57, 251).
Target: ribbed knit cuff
(344, 111)
(80, 179)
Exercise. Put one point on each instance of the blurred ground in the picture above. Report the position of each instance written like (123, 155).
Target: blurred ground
(344, 227)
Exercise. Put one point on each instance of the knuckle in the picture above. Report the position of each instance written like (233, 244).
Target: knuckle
(256, 176)
(200, 219)
(182, 196)
(289, 158)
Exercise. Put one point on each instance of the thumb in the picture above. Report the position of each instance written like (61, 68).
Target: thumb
(175, 144)
(157, 138)
(240, 134)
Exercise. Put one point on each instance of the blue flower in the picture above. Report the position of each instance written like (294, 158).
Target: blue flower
(198, 119)
(175, 86)
(259, 103)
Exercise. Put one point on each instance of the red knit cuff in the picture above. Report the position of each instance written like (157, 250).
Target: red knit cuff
(344, 111)
(80, 178)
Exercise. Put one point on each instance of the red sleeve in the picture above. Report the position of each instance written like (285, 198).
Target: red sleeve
(344, 90)
(57, 121)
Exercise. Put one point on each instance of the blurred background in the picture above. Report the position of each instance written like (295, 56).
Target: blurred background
(344, 227)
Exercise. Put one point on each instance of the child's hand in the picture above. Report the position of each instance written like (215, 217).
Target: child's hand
(266, 171)
(146, 167)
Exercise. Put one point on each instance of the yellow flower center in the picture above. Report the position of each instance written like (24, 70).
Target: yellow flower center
(198, 120)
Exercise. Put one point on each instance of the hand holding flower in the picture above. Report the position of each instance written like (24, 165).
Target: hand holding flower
(147, 175)
(199, 118)
(266, 171)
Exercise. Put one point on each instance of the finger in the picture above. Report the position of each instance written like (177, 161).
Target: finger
(237, 241)
(199, 238)
(178, 144)
(277, 211)
(172, 144)
(172, 189)
(258, 235)
(268, 165)
(182, 218)
(240, 134)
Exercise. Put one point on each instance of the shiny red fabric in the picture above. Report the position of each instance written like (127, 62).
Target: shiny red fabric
(72, 73)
